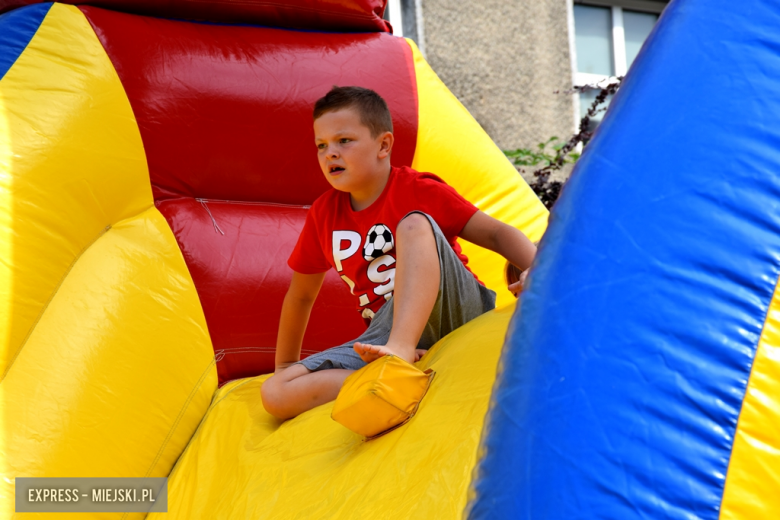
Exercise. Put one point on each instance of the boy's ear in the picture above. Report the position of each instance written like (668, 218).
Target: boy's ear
(385, 144)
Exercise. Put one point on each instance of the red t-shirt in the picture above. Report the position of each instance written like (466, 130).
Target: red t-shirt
(360, 245)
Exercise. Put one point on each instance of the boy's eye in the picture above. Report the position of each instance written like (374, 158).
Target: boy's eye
(344, 140)
(321, 146)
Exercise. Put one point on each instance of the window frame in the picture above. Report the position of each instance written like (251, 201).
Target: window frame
(395, 17)
(645, 6)
(406, 17)
(619, 56)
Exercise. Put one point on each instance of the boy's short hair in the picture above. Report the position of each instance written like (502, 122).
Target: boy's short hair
(372, 108)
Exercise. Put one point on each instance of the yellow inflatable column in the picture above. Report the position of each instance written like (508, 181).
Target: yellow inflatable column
(451, 144)
(105, 359)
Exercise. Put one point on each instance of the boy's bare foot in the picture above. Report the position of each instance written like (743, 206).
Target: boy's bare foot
(369, 353)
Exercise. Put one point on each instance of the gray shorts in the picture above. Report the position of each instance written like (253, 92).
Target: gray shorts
(461, 299)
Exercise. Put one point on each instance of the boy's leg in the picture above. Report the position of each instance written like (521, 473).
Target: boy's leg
(458, 297)
(416, 287)
(461, 297)
(296, 389)
(318, 378)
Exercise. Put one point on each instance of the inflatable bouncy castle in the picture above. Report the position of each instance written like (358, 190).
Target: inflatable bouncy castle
(157, 162)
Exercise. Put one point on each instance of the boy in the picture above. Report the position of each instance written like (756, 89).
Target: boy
(391, 233)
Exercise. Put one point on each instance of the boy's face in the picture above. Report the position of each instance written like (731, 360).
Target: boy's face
(349, 156)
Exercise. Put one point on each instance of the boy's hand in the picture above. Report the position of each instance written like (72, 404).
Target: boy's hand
(515, 279)
(517, 287)
(295, 315)
(485, 231)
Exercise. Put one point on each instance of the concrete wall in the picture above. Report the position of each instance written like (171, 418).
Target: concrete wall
(503, 60)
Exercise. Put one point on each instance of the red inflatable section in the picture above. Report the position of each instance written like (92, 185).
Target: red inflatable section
(237, 254)
(225, 111)
(331, 15)
(225, 118)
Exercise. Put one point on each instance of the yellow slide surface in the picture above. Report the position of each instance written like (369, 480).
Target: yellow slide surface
(244, 463)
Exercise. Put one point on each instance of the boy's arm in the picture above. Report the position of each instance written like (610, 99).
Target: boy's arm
(509, 242)
(295, 316)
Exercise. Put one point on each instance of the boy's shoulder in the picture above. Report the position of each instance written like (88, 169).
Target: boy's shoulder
(414, 175)
(425, 185)
(407, 178)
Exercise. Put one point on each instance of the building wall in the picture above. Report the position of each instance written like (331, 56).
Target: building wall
(504, 60)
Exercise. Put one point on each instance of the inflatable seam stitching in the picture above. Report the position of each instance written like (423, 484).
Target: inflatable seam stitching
(178, 417)
(51, 298)
(202, 421)
(237, 350)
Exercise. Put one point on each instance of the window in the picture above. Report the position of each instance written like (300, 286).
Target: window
(608, 36)
(406, 18)
(394, 15)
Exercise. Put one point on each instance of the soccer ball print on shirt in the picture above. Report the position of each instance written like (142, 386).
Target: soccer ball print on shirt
(379, 240)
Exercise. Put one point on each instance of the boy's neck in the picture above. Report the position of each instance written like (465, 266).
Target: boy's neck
(362, 199)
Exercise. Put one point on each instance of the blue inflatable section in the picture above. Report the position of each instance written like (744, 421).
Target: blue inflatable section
(626, 365)
(16, 30)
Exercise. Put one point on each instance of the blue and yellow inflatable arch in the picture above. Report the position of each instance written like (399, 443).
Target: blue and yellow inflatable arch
(642, 375)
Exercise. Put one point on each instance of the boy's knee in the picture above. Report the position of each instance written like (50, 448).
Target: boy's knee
(414, 223)
(273, 392)
(270, 395)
